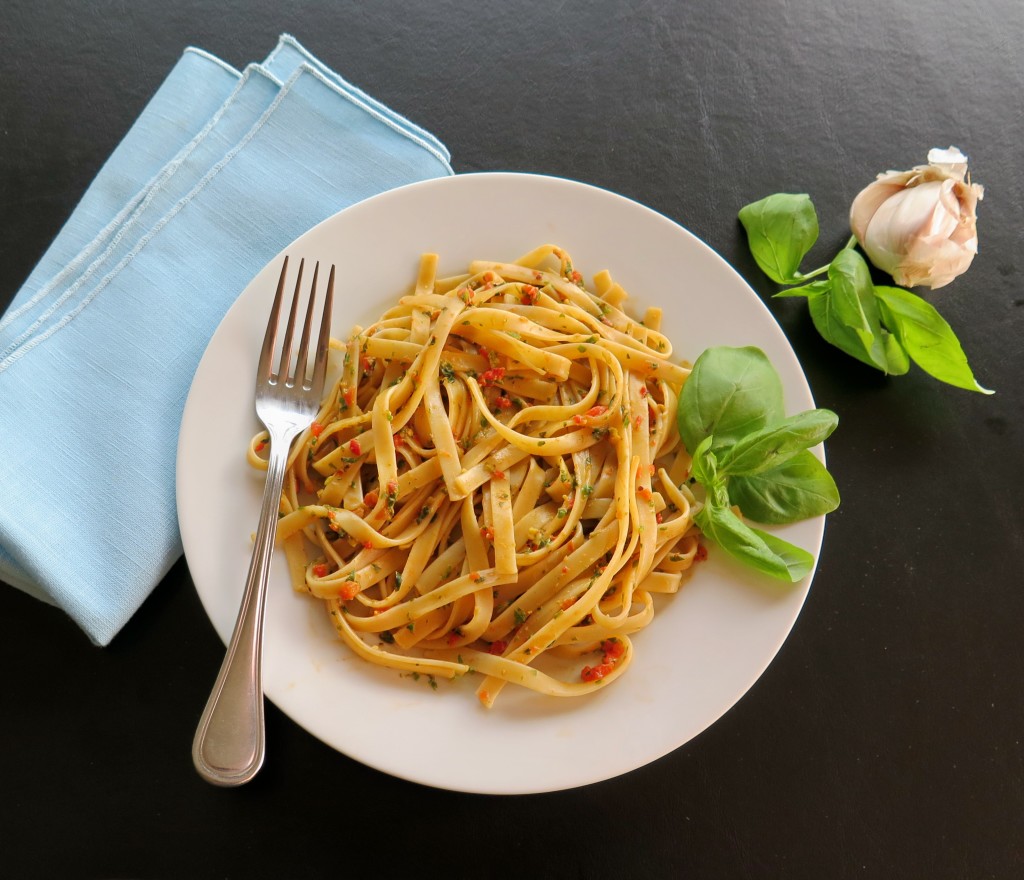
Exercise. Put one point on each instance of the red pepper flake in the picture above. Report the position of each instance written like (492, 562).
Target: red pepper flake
(371, 498)
(659, 517)
(475, 576)
(392, 487)
(498, 475)
(643, 390)
(453, 638)
(498, 647)
(354, 447)
(320, 570)
(528, 294)
(503, 402)
(483, 352)
(568, 603)
(644, 493)
(366, 364)
(596, 673)
(261, 446)
(565, 569)
(368, 545)
(701, 554)
(489, 377)
(349, 591)
(316, 429)
(487, 533)
(487, 277)
(576, 277)
(349, 396)
(399, 440)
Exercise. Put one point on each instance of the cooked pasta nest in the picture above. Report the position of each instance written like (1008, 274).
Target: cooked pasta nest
(495, 483)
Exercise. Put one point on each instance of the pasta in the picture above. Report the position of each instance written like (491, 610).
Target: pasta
(495, 483)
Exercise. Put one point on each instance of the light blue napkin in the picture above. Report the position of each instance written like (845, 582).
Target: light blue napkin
(97, 350)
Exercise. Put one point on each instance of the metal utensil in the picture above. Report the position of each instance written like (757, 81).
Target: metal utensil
(229, 745)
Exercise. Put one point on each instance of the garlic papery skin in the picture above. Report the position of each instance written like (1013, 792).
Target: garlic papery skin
(920, 226)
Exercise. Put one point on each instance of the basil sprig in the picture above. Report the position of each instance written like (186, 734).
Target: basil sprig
(884, 327)
(747, 453)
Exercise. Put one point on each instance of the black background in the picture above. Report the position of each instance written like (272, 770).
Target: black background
(884, 740)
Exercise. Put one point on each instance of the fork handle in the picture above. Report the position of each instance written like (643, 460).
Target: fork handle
(229, 744)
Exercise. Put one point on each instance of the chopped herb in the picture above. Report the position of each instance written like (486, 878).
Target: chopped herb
(519, 616)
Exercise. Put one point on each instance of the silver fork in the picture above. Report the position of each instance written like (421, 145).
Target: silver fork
(229, 744)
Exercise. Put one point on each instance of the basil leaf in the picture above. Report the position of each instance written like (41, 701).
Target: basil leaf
(853, 302)
(798, 488)
(815, 288)
(760, 550)
(832, 328)
(781, 230)
(927, 338)
(771, 446)
(729, 393)
(704, 465)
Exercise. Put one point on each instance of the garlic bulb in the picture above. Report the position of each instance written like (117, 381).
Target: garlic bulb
(920, 225)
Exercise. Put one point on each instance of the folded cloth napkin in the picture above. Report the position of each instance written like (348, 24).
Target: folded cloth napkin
(97, 350)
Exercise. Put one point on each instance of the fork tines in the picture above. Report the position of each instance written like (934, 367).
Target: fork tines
(299, 374)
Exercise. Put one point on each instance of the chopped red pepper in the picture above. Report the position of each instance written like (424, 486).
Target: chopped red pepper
(392, 487)
(576, 277)
(489, 377)
(366, 364)
(320, 570)
(349, 590)
(659, 517)
(498, 475)
(596, 673)
(503, 402)
(643, 390)
(701, 554)
(354, 447)
(371, 498)
(487, 277)
(349, 396)
(644, 493)
(399, 440)
(613, 649)
(487, 533)
(475, 576)
(316, 429)
(498, 647)
(368, 545)
(591, 413)
(453, 638)
(528, 294)
(260, 446)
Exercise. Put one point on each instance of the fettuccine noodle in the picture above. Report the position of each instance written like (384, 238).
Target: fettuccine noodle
(495, 480)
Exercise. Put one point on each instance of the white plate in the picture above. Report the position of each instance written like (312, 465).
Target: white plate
(706, 646)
